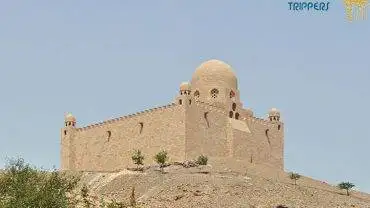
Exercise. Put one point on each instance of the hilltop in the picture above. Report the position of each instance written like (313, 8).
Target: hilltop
(219, 184)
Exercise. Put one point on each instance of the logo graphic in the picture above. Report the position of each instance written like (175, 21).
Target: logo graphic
(356, 9)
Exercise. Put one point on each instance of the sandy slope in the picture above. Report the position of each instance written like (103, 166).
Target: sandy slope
(236, 186)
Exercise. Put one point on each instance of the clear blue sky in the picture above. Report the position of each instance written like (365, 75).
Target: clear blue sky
(102, 59)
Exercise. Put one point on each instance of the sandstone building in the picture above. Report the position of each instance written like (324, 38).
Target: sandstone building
(206, 117)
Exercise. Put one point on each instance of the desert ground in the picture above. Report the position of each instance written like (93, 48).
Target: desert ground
(221, 183)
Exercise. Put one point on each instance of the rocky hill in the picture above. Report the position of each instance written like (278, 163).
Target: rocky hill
(220, 184)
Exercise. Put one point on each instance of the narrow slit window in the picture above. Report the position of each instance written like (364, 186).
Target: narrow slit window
(206, 118)
(109, 134)
(141, 127)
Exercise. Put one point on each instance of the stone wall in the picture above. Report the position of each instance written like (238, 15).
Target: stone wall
(206, 132)
(108, 146)
(264, 145)
(185, 131)
(211, 132)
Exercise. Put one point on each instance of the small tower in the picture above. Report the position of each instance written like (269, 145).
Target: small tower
(70, 120)
(185, 94)
(248, 112)
(274, 115)
(67, 137)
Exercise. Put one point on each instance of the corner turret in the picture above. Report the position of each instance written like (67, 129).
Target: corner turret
(68, 133)
(185, 88)
(70, 120)
(248, 112)
(274, 114)
(185, 94)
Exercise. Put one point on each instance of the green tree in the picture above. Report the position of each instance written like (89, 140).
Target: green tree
(295, 177)
(138, 158)
(202, 160)
(347, 186)
(23, 186)
(161, 158)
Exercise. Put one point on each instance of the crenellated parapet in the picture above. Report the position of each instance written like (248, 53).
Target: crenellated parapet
(122, 118)
(262, 121)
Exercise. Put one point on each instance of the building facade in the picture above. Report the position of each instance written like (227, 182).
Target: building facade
(206, 117)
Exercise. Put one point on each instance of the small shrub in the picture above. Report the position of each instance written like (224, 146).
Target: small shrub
(295, 177)
(132, 197)
(161, 158)
(116, 204)
(138, 158)
(347, 186)
(202, 160)
(85, 197)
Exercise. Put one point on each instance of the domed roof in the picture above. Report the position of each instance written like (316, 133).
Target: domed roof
(215, 72)
(185, 86)
(249, 112)
(70, 118)
(274, 111)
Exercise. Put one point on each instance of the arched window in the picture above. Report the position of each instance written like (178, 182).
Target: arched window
(234, 106)
(232, 94)
(196, 94)
(231, 114)
(214, 93)
(236, 116)
(180, 102)
(189, 102)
